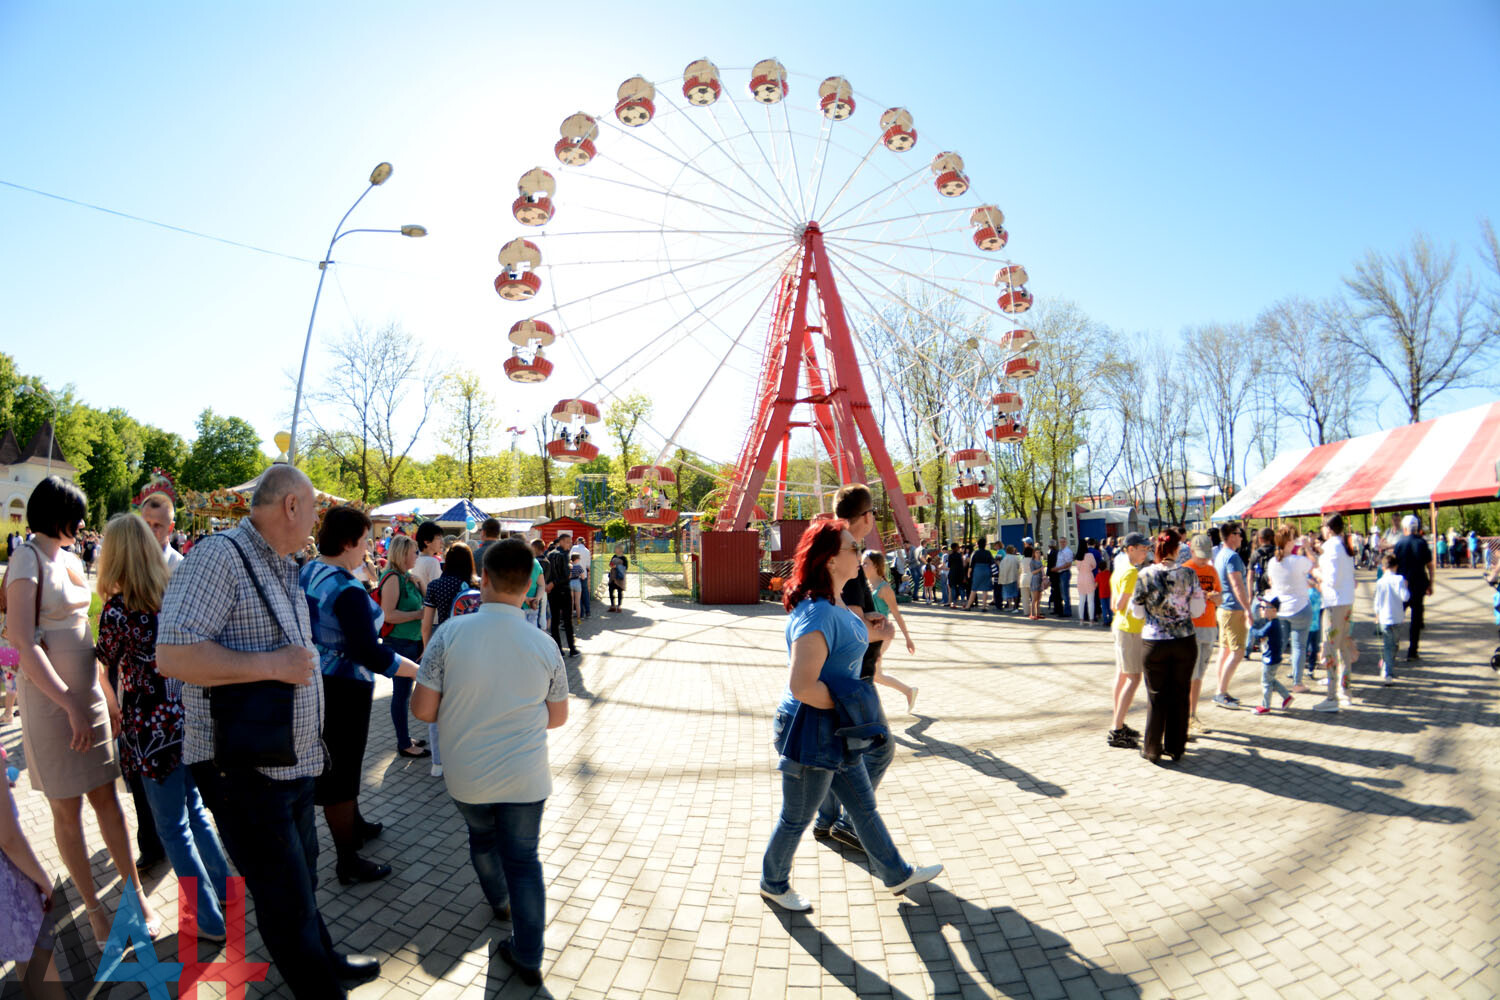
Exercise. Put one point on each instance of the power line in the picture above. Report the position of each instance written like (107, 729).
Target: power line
(153, 222)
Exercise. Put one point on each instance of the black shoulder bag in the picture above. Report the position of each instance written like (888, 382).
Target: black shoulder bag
(253, 721)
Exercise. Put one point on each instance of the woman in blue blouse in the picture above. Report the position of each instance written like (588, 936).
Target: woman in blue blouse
(346, 629)
(827, 643)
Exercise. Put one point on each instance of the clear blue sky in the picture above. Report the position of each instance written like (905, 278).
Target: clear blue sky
(1162, 165)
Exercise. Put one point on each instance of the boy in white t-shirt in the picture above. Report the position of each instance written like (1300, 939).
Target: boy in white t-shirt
(1391, 595)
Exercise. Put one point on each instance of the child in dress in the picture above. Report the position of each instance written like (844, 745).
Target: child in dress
(1268, 630)
(886, 604)
(1391, 595)
(575, 582)
(10, 662)
(929, 581)
(25, 904)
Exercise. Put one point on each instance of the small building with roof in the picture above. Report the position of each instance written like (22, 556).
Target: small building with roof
(22, 468)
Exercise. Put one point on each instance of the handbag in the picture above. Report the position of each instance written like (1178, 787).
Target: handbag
(36, 618)
(253, 721)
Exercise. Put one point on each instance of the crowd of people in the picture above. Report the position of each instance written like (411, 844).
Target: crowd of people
(233, 692)
(233, 689)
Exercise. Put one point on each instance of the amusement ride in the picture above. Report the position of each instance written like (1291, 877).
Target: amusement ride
(777, 226)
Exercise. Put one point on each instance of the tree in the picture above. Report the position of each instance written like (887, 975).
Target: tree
(160, 450)
(225, 452)
(623, 419)
(470, 424)
(1323, 384)
(1222, 392)
(1418, 322)
(375, 400)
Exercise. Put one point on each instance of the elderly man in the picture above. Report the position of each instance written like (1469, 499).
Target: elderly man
(1414, 562)
(234, 614)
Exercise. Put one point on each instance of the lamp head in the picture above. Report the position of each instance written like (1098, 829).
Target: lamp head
(380, 174)
(413, 230)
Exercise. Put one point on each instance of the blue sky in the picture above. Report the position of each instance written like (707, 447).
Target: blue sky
(1162, 165)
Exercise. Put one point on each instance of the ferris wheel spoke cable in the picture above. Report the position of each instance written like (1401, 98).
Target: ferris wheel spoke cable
(791, 145)
(987, 259)
(915, 215)
(761, 220)
(895, 184)
(786, 198)
(820, 163)
(599, 380)
(771, 202)
(650, 277)
(838, 267)
(686, 163)
(578, 326)
(893, 192)
(846, 252)
(754, 315)
(848, 180)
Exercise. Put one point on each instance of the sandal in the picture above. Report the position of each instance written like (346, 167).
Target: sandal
(98, 908)
(415, 751)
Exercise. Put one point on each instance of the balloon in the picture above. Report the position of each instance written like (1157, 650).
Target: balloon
(12, 775)
(468, 524)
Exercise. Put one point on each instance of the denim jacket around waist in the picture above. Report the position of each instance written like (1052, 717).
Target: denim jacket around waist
(828, 739)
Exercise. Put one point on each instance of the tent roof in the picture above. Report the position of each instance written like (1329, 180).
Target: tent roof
(1445, 460)
(459, 513)
(430, 507)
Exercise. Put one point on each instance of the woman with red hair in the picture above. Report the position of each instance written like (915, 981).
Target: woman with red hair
(826, 642)
(1168, 597)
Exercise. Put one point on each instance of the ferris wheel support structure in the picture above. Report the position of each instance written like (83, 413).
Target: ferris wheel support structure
(840, 408)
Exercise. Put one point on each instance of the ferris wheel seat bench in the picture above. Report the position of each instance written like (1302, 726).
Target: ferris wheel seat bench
(664, 516)
(1007, 432)
(564, 452)
(918, 499)
(973, 492)
(520, 370)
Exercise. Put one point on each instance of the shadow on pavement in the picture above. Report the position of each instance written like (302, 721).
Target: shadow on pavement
(1296, 779)
(1003, 949)
(984, 952)
(981, 760)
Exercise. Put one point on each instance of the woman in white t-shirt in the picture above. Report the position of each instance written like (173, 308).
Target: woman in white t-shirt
(1335, 575)
(1288, 578)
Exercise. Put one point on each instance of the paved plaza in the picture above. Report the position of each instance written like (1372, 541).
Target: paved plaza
(1292, 855)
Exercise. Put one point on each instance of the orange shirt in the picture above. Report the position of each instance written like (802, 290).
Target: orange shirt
(1208, 579)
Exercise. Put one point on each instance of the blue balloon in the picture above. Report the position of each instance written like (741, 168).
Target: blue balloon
(12, 774)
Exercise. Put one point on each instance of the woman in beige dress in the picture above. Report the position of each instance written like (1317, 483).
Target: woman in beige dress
(65, 711)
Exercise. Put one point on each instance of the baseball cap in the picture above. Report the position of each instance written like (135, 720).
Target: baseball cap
(1271, 602)
(1136, 538)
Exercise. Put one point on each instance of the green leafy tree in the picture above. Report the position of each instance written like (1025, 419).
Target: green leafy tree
(225, 452)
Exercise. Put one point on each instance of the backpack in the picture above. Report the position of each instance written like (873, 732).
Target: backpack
(466, 602)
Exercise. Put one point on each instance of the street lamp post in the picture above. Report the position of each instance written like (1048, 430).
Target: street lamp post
(378, 176)
(52, 426)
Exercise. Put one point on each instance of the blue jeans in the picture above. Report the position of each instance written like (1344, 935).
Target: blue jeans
(401, 690)
(190, 843)
(268, 830)
(1294, 627)
(800, 795)
(1063, 579)
(877, 760)
(1390, 637)
(503, 840)
(583, 600)
(1269, 683)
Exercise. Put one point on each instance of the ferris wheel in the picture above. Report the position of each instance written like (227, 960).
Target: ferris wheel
(774, 246)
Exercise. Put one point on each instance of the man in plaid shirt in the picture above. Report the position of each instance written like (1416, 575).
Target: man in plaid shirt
(216, 628)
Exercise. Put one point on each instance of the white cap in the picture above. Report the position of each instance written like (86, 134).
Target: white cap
(1410, 522)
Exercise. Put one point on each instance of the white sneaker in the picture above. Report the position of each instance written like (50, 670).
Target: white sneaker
(926, 873)
(790, 900)
(437, 770)
(1326, 705)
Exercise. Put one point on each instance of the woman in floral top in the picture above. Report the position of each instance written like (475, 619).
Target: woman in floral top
(1168, 597)
(132, 579)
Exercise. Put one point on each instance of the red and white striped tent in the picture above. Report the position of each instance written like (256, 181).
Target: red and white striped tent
(1446, 460)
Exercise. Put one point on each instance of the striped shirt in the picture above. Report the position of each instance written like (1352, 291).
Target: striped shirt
(211, 599)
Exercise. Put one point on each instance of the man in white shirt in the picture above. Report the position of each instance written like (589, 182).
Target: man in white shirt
(429, 564)
(587, 559)
(495, 685)
(160, 516)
